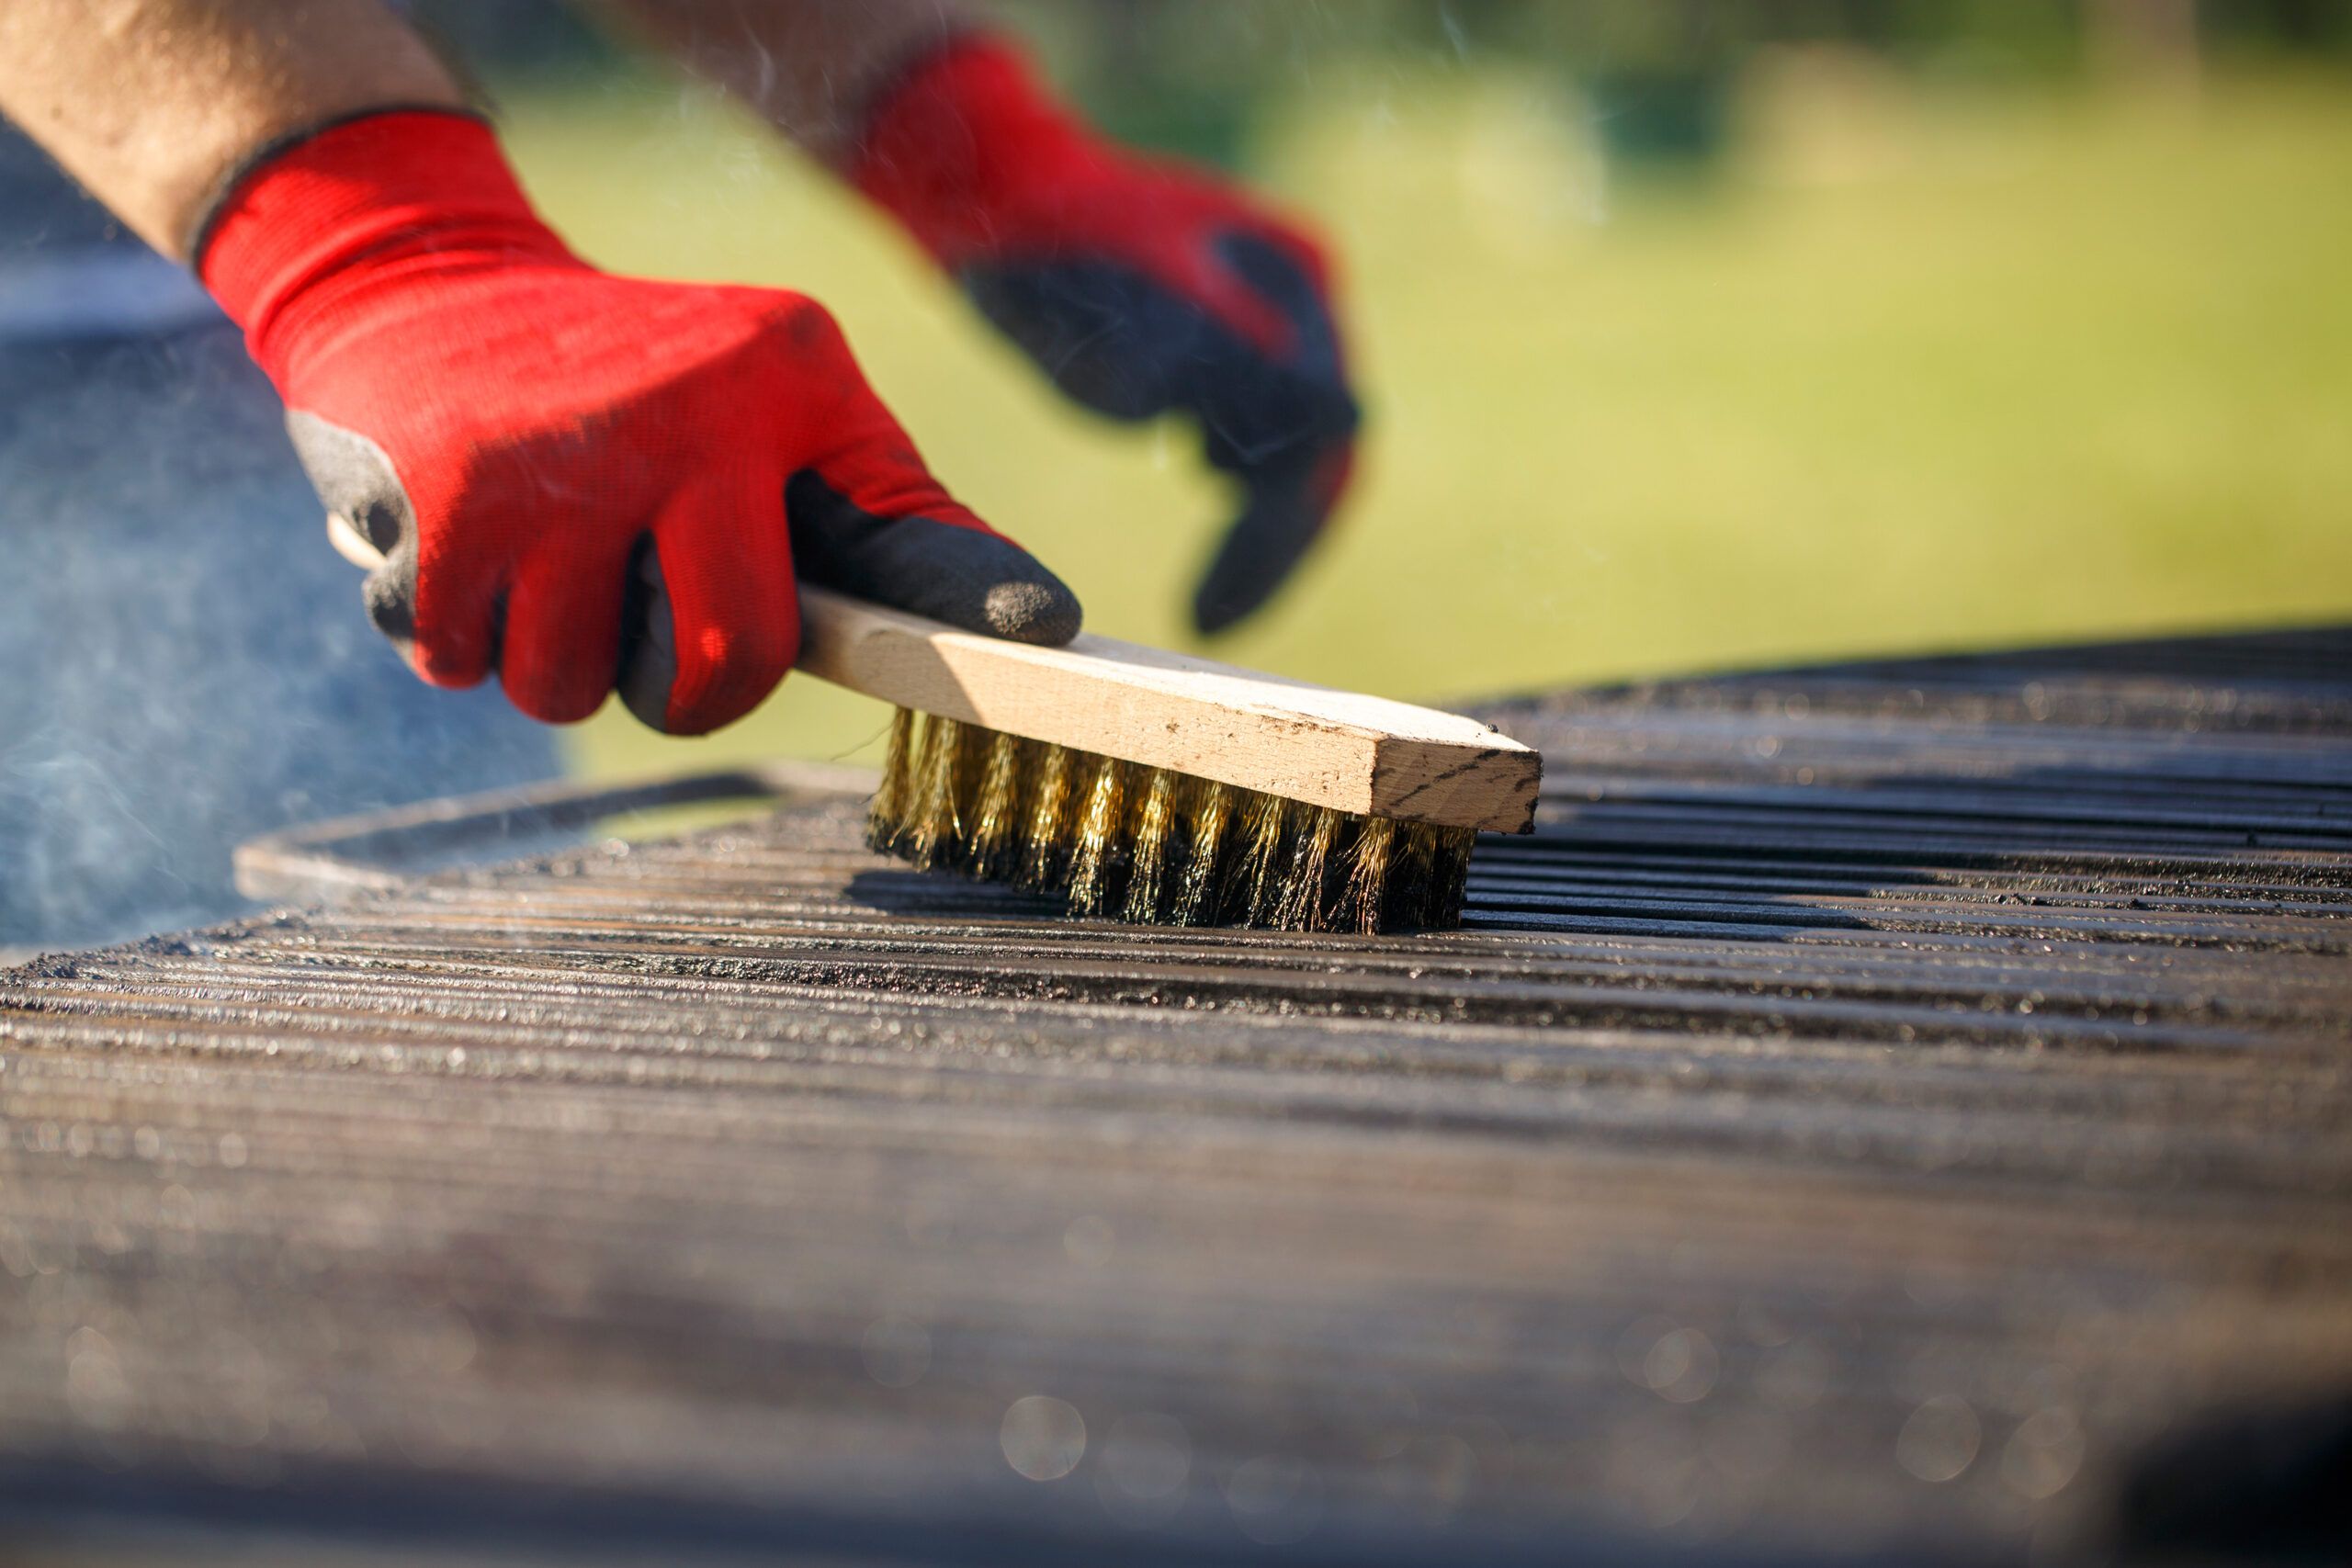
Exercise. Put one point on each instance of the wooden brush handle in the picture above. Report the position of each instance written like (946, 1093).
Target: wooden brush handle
(1193, 716)
(1333, 749)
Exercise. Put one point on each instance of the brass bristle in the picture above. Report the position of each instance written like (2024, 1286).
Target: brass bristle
(1453, 886)
(1203, 885)
(1258, 885)
(886, 818)
(1312, 840)
(1408, 901)
(995, 848)
(934, 827)
(1153, 846)
(1046, 846)
(1368, 869)
(1155, 837)
(1092, 862)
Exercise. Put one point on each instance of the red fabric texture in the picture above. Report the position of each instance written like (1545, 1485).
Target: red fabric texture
(982, 164)
(543, 416)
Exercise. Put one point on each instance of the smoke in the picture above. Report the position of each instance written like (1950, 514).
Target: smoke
(183, 659)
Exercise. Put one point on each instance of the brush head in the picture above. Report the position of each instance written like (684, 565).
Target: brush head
(1152, 846)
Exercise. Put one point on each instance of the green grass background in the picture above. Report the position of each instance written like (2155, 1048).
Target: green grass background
(1922, 368)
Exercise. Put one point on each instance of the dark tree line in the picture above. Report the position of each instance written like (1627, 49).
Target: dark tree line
(1191, 76)
(1250, 37)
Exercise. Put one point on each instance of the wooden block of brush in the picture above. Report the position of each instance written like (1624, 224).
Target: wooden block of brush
(1340, 750)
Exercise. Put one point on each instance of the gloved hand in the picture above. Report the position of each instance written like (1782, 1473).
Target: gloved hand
(1140, 286)
(507, 426)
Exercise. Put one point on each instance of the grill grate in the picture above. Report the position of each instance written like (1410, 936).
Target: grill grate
(1874, 1103)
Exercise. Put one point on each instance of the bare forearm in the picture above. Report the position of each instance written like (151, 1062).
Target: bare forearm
(809, 67)
(151, 103)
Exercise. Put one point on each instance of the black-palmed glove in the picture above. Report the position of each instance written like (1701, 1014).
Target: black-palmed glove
(1142, 286)
(529, 444)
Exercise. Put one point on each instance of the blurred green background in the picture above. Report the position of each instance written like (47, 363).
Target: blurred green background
(1692, 335)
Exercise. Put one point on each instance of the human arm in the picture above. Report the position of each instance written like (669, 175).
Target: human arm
(153, 104)
(811, 68)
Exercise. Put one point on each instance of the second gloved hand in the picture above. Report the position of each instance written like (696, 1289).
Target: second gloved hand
(1141, 286)
(513, 430)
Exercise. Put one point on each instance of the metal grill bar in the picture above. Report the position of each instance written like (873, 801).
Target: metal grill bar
(1875, 1104)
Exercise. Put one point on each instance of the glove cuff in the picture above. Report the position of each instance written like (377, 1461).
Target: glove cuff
(958, 139)
(313, 214)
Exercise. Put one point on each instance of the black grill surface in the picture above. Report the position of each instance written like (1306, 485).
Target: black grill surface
(1886, 1111)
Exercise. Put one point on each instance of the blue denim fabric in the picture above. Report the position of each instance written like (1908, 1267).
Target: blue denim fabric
(183, 661)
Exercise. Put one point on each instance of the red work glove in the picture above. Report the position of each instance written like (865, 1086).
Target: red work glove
(1141, 287)
(506, 424)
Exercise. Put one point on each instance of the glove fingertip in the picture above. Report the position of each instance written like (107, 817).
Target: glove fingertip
(960, 572)
(1225, 598)
(1041, 611)
(1285, 518)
